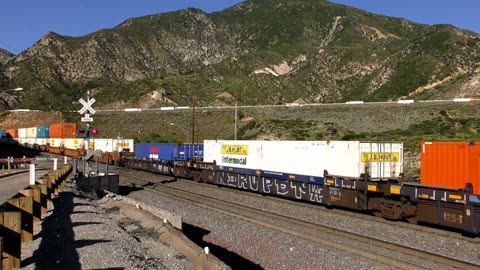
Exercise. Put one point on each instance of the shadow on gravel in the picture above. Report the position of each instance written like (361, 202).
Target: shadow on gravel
(233, 260)
(125, 190)
(57, 248)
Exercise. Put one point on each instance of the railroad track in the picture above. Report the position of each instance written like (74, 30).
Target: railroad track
(346, 213)
(363, 246)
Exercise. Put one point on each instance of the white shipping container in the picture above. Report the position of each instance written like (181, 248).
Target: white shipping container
(22, 133)
(31, 141)
(111, 145)
(41, 141)
(73, 143)
(32, 132)
(343, 158)
(55, 142)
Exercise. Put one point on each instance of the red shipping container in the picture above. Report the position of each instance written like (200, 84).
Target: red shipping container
(450, 164)
(63, 130)
(13, 132)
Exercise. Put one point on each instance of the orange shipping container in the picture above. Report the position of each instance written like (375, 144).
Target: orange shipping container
(13, 132)
(450, 164)
(63, 130)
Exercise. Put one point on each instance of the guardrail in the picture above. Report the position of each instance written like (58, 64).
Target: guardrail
(18, 214)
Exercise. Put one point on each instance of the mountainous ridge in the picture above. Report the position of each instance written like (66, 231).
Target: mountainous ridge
(257, 52)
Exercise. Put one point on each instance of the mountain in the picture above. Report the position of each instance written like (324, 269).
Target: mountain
(257, 52)
(5, 56)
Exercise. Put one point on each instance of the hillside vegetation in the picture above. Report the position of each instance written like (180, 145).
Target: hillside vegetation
(257, 52)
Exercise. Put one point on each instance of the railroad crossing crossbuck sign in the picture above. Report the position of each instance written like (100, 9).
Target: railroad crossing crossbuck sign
(87, 106)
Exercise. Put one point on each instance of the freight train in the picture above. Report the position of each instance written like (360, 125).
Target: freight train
(363, 176)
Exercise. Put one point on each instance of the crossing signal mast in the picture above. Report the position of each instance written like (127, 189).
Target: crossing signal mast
(87, 132)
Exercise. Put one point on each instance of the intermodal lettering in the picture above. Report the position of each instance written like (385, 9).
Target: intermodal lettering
(229, 149)
(380, 157)
(237, 161)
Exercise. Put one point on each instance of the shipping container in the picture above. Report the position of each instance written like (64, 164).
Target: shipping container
(63, 130)
(43, 132)
(111, 145)
(55, 142)
(32, 132)
(13, 132)
(450, 164)
(310, 158)
(42, 141)
(190, 151)
(162, 151)
(3, 133)
(22, 133)
(73, 143)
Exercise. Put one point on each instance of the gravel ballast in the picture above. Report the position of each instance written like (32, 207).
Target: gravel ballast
(81, 232)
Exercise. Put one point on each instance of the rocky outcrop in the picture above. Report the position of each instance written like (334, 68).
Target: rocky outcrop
(259, 52)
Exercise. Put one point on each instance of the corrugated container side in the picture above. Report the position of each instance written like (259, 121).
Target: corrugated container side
(164, 151)
(12, 132)
(450, 164)
(63, 130)
(190, 151)
(32, 132)
(43, 132)
(22, 133)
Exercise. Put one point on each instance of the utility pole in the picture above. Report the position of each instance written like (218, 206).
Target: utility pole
(235, 120)
(193, 120)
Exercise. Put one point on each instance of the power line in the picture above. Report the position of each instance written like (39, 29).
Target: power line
(10, 47)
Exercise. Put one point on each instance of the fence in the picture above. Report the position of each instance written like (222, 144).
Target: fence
(19, 213)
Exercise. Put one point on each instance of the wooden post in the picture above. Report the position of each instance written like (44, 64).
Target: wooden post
(35, 193)
(11, 230)
(25, 206)
(43, 197)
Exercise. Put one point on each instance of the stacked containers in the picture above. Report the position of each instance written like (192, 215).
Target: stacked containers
(450, 164)
(43, 132)
(63, 130)
(13, 133)
(31, 136)
(42, 135)
(22, 135)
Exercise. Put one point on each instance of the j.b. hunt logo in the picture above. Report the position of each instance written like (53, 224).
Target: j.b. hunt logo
(236, 161)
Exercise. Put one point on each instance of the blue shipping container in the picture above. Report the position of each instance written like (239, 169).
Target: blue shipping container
(161, 151)
(43, 131)
(190, 151)
(3, 133)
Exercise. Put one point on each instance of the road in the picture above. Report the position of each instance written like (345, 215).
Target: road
(18, 179)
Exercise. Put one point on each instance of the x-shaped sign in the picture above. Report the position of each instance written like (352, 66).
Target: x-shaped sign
(87, 106)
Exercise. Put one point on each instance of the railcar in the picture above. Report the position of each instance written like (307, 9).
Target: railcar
(363, 176)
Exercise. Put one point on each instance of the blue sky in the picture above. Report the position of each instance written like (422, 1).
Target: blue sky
(24, 22)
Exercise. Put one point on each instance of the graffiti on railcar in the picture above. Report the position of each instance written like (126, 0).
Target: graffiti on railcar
(316, 193)
(290, 189)
(300, 190)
